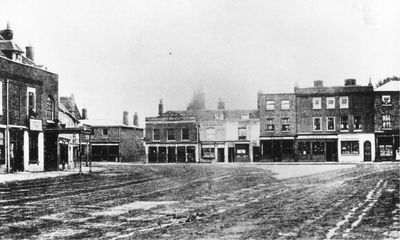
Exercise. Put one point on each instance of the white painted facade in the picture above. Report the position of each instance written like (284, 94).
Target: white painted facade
(361, 139)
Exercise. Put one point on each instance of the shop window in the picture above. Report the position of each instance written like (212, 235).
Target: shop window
(210, 134)
(304, 148)
(317, 124)
(357, 123)
(386, 100)
(344, 123)
(207, 152)
(33, 147)
(270, 125)
(2, 153)
(185, 134)
(385, 150)
(170, 134)
(156, 135)
(285, 105)
(344, 102)
(316, 103)
(285, 125)
(242, 150)
(105, 133)
(50, 109)
(242, 133)
(330, 123)
(270, 105)
(386, 121)
(245, 116)
(318, 148)
(330, 102)
(350, 147)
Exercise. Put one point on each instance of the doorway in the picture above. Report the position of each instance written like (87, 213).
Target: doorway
(331, 152)
(367, 151)
(221, 155)
(16, 150)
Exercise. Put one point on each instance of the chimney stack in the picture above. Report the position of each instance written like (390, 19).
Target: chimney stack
(221, 105)
(318, 83)
(29, 53)
(135, 119)
(160, 108)
(125, 118)
(350, 82)
(84, 113)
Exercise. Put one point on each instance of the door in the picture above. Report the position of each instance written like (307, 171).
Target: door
(277, 151)
(221, 155)
(231, 152)
(331, 152)
(16, 150)
(367, 151)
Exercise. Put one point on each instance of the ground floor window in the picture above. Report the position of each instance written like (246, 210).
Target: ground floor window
(2, 155)
(350, 147)
(385, 150)
(33, 147)
(318, 148)
(304, 148)
(207, 152)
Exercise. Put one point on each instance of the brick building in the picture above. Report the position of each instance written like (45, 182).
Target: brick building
(387, 121)
(116, 141)
(335, 123)
(277, 126)
(28, 109)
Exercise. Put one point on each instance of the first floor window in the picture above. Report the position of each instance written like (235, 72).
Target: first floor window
(317, 103)
(350, 147)
(50, 109)
(207, 152)
(317, 124)
(386, 121)
(270, 125)
(156, 135)
(344, 102)
(357, 123)
(330, 123)
(330, 102)
(344, 123)
(185, 134)
(170, 134)
(285, 125)
(242, 133)
(33, 147)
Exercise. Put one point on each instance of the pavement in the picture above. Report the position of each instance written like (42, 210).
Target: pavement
(23, 176)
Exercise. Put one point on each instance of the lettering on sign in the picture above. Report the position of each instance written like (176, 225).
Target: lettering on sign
(35, 125)
(206, 125)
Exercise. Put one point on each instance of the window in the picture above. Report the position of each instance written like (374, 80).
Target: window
(285, 105)
(285, 125)
(156, 135)
(210, 134)
(330, 123)
(330, 102)
(219, 116)
(344, 102)
(385, 146)
(317, 124)
(304, 148)
(318, 148)
(2, 155)
(1, 98)
(316, 103)
(50, 109)
(357, 123)
(33, 147)
(386, 121)
(242, 133)
(105, 133)
(170, 134)
(207, 152)
(350, 147)
(31, 101)
(386, 101)
(245, 116)
(270, 105)
(270, 125)
(344, 123)
(185, 134)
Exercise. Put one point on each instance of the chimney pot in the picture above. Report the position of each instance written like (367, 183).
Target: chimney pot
(29, 53)
(160, 107)
(350, 82)
(125, 118)
(318, 83)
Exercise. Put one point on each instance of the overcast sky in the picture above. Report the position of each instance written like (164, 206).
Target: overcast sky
(126, 55)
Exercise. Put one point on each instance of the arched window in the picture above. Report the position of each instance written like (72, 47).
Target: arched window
(50, 109)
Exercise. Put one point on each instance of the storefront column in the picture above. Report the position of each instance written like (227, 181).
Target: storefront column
(26, 150)
(197, 152)
(226, 153)
(186, 155)
(41, 150)
(216, 152)
(176, 153)
(251, 152)
(146, 152)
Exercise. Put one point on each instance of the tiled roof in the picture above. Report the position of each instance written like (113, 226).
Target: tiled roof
(391, 86)
(69, 103)
(8, 45)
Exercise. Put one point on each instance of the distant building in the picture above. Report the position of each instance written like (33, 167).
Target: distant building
(387, 121)
(198, 101)
(335, 123)
(116, 141)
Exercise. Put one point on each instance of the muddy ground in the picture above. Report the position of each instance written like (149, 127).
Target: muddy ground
(179, 201)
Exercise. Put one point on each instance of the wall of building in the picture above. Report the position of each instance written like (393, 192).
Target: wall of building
(131, 147)
(382, 109)
(176, 126)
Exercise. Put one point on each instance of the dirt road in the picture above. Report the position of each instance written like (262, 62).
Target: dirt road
(206, 202)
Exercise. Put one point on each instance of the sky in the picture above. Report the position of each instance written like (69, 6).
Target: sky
(124, 55)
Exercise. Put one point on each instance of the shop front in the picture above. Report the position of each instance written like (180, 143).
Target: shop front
(387, 147)
(317, 148)
(177, 153)
(277, 149)
(356, 147)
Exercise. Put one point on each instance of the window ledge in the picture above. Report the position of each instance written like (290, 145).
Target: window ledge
(344, 130)
(350, 154)
(386, 129)
(358, 130)
(386, 105)
(332, 130)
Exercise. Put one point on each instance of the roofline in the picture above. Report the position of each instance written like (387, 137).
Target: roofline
(27, 65)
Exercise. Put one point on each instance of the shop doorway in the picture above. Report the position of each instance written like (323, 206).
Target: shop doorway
(221, 155)
(367, 151)
(171, 155)
(16, 150)
(191, 154)
(231, 154)
(331, 152)
(277, 151)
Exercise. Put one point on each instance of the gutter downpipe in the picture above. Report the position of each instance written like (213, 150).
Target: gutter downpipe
(7, 132)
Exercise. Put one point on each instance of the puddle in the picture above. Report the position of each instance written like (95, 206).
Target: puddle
(138, 205)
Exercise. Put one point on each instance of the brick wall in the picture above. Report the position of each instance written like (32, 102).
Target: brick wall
(393, 110)
(177, 128)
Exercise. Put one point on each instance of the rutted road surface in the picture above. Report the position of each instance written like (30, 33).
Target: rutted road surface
(179, 201)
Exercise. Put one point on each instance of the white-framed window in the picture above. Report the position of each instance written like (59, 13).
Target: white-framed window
(242, 133)
(317, 124)
(330, 123)
(350, 147)
(207, 152)
(1, 98)
(386, 100)
(316, 103)
(386, 121)
(330, 102)
(210, 134)
(31, 100)
(270, 125)
(270, 105)
(156, 135)
(219, 116)
(245, 116)
(50, 108)
(344, 123)
(357, 123)
(285, 125)
(285, 105)
(344, 102)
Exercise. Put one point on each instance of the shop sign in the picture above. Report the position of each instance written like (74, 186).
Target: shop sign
(35, 125)
(207, 125)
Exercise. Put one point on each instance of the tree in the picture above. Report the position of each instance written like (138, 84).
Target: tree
(386, 80)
